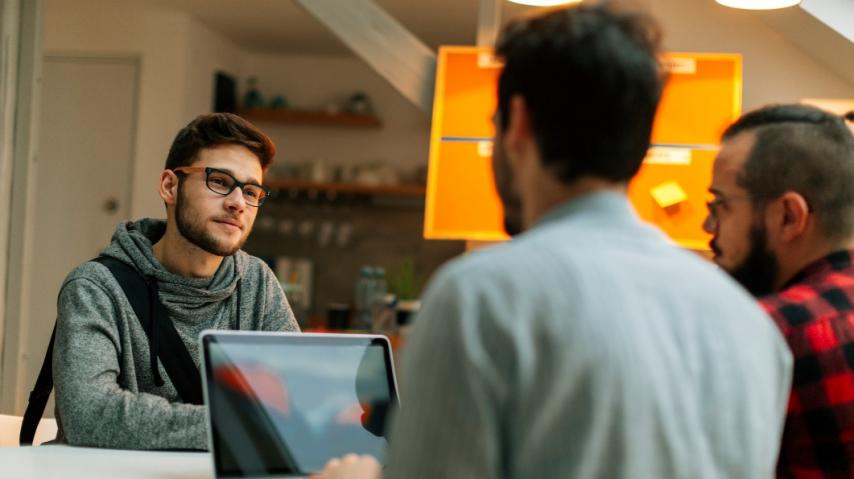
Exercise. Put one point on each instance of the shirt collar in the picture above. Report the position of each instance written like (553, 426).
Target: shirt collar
(836, 261)
(598, 204)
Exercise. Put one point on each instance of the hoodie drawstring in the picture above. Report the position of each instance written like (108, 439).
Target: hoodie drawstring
(153, 332)
(237, 326)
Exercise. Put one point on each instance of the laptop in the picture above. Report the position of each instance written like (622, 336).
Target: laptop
(283, 404)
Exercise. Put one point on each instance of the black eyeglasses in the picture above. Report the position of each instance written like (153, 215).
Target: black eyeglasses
(713, 205)
(221, 182)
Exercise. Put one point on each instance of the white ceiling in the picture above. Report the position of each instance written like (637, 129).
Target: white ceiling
(282, 26)
(813, 29)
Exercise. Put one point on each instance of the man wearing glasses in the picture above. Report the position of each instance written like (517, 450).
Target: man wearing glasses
(782, 221)
(112, 389)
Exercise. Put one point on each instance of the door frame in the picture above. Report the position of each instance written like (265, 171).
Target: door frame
(19, 360)
(21, 35)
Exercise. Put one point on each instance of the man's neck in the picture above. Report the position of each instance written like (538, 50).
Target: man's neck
(179, 256)
(552, 193)
(793, 262)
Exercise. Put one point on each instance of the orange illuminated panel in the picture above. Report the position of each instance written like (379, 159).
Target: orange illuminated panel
(469, 97)
(464, 204)
(682, 221)
(701, 97)
(461, 199)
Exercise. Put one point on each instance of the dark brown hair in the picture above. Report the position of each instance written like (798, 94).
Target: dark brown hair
(217, 129)
(591, 79)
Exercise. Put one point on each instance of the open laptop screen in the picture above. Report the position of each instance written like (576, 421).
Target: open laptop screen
(287, 403)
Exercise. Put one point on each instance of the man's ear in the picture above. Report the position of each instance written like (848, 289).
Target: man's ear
(518, 134)
(169, 187)
(793, 216)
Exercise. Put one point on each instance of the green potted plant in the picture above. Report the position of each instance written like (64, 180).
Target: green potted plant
(406, 284)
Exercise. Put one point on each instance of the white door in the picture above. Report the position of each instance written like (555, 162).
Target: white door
(86, 144)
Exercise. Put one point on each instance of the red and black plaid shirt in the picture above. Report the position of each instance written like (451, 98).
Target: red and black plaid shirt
(815, 311)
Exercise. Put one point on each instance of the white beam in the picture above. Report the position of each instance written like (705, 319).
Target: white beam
(824, 29)
(488, 22)
(836, 14)
(383, 43)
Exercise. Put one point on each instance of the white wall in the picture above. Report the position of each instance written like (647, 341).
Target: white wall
(313, 83)
(178, 56)
(207, 51)
(775, 70)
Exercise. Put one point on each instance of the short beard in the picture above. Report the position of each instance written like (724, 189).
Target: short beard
(195, 232)
(512, 217)
(758, 271)
(510, 201)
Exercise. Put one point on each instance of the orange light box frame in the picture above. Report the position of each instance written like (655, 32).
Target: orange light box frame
(701, 97)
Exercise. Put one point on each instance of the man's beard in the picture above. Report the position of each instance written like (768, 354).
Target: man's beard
(194, 231)
(512, 214)
(759, 269)
(510, 201)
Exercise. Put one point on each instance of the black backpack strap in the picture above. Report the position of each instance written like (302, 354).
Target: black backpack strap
(170, 348)
(163, 338)
(38, 396)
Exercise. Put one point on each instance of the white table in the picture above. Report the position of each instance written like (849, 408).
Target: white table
(65, 462)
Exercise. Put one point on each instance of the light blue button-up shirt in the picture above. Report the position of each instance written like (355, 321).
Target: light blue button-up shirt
(589, 347)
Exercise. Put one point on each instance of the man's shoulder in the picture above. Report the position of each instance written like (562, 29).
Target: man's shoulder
(89, 281)
(805, 302)
(91, 271)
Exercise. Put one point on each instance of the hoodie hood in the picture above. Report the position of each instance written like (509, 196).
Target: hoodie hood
(132, 243)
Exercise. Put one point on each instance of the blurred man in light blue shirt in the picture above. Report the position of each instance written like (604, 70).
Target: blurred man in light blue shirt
(588, 346)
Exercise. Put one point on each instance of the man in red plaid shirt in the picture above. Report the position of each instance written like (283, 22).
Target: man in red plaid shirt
(782, 218)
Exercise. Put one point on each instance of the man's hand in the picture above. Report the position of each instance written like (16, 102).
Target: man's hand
(351, 466)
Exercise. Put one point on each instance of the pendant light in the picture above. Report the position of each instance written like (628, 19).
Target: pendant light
(759, 4)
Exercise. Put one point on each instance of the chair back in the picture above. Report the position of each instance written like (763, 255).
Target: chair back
(10, 428)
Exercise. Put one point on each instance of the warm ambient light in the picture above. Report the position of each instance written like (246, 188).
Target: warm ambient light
(544, 3)
(759, 4)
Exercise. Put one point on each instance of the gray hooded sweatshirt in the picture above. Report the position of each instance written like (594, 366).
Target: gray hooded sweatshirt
(106, 394)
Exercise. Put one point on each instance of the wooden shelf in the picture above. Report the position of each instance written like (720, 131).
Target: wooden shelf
(353, 188)
(302, 117)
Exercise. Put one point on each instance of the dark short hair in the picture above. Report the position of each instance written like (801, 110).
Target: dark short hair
(776, 114)
(218, 129)
(591, 79)
(803, 149)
